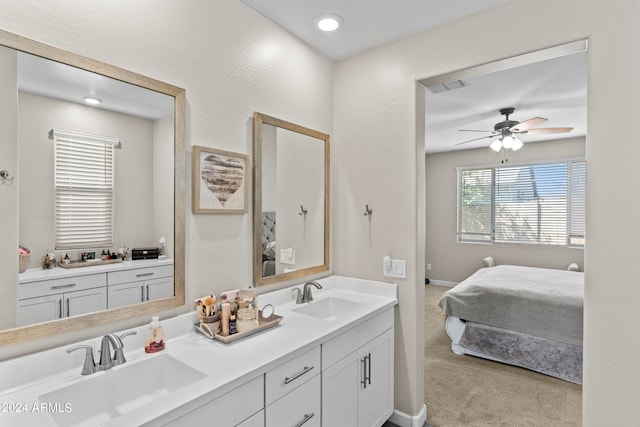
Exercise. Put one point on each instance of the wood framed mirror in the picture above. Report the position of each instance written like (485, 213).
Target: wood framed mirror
(169, 171)
(290, 200)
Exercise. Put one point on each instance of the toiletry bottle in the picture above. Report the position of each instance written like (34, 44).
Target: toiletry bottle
(155, 341)
(226, 314)
(233, 328)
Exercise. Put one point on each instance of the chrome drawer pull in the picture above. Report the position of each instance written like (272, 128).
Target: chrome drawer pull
(144, 274)
(306, 418)
(306, 369)
(70, 285)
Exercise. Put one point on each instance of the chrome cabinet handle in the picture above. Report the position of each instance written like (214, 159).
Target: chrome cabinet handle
(144, 274)
(141, 293)
(366, 370)
(306, 369)
(70, 285)
(147, 292)
(68, 307)
(60, 308)
(306, 418)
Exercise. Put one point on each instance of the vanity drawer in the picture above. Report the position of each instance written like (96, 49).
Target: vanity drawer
(298, 408)
(138, 274)
(291, 374)
(58, 286)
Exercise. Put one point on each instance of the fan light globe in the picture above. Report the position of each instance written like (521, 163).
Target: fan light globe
(507, 142)
(496, 145)
(516, 144)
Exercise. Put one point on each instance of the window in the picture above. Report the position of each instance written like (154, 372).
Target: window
(84, 169)
(536, 204)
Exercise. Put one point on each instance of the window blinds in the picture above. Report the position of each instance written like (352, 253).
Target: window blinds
(84, 170)
(536, 204)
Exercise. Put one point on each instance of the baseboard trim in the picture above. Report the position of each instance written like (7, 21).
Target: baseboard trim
(404, 420)
(442, 283)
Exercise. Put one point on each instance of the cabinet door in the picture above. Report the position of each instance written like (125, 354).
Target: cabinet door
(158, 288)
(340, 390)
(41, 309)
(125, 294)
(377, 393)
(83, 302)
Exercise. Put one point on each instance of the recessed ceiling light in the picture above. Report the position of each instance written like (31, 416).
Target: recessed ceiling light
(92, 100)
(328, 22)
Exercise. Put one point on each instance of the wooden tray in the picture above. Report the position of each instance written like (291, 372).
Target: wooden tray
(263, 324)
(80, 264)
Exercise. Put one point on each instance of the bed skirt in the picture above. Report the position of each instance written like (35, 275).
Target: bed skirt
(554, 358)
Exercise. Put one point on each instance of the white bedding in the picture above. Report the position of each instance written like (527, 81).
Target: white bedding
(537, 301)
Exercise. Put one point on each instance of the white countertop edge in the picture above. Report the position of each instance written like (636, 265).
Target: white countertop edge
(38, 274)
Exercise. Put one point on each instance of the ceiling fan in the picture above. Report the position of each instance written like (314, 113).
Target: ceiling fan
(507, 131)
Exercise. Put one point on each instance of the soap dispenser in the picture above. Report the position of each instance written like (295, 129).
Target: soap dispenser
(155, 341)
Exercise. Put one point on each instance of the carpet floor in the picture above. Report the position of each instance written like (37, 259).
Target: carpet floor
(470, 391)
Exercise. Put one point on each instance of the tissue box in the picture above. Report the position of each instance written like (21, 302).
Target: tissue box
(145, 253)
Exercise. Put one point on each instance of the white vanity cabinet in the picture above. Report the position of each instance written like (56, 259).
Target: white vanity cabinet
(357, 375)
(44, 300)
(139, 284)
(292, 392)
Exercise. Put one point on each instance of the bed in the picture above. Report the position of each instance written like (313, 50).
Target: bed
(524, 316)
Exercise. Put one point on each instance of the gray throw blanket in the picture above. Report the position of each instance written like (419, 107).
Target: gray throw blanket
(536, 301)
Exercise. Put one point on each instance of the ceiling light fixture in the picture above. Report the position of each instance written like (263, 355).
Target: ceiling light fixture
(92, 100)
(328, 22)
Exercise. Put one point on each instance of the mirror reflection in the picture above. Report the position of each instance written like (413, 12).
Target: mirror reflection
(291, 206)
(96, 153)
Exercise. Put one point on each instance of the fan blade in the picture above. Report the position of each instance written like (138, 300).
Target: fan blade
(528, 124)
(473, 130)
(477, 139)
(542, 131)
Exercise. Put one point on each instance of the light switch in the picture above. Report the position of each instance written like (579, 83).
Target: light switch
(395, 268)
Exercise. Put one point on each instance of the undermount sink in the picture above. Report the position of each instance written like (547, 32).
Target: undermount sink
(330, 308)
(110, 394)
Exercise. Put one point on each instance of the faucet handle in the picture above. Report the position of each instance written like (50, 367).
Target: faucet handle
(89, 366)
(118, 356)
(298, 296)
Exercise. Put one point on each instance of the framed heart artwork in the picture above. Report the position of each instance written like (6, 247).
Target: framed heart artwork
(219, 181)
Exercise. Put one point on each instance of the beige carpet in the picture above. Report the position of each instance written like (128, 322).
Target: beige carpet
(469, 391)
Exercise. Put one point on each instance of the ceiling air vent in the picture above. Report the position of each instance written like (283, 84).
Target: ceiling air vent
(444, 87)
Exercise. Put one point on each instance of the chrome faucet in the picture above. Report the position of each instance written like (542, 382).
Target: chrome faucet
(306, 294)
(106, 360)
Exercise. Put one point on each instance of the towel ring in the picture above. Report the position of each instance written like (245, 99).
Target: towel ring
(303, 211)
(367, 210)
(4, 177)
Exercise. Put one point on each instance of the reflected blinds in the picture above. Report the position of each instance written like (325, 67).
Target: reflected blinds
(84, 170)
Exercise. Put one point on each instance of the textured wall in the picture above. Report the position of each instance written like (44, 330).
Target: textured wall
(378, 129)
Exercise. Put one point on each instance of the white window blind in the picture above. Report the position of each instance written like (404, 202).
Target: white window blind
(536, 204)
(84, 169)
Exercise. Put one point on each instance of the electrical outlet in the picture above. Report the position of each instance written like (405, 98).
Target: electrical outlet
(428, 267)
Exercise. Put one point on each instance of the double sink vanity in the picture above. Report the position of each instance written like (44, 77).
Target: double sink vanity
(329, 362)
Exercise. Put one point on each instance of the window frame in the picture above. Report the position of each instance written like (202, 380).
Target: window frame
(95, 193)
(491, 235)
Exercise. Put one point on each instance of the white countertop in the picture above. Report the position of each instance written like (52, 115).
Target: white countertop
(36, 274)
(224, 366)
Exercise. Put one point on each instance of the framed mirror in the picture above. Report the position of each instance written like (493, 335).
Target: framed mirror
(145, 121)
(290, 200)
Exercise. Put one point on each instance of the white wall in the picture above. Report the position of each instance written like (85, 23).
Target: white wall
(377, 128)
(133, 183)
(231, 61)
(452, 261)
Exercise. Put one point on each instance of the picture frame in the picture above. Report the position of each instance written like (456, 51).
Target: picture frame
(219, 181)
